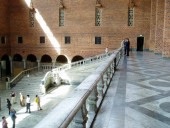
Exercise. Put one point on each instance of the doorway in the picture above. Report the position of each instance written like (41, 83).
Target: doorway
(140, 42)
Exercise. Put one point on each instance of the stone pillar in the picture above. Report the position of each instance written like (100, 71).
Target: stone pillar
(24, 61)
(100, 88)
(38, 61)
(53, 62)
(166, 48)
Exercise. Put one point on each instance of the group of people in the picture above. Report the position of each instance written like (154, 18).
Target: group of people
(23, 102)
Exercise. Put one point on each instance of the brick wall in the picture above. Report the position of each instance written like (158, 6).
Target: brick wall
(79, 25)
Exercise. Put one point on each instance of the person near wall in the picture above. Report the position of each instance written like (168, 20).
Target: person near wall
(126, 46)
(4, 122)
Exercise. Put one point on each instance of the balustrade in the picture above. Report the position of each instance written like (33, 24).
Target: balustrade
(89, 91)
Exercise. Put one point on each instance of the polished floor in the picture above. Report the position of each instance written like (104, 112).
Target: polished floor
(139, 95)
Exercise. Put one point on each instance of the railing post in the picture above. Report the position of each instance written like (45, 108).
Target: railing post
(80, 118)
(100, 88)
(92, 101)
(38, 61)
(115, 65)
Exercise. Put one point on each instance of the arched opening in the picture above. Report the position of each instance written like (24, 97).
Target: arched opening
(31, 58)
(31, 61)
(77, 58)
(5, 69)
(18, 65)
(46, 59)
(17, 57)
(61, 59)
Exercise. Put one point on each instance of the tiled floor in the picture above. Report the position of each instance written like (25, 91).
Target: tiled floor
(139, 95)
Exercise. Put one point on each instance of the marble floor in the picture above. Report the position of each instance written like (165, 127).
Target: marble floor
(139, 95)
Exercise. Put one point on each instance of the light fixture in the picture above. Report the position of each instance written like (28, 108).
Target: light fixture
(98, 4)
(61, 6)
(131, 4)
(32, 7)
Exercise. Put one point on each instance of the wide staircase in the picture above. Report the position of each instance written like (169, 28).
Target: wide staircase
(30, 84)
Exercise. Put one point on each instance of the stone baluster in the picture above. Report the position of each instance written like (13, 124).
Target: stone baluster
(100, 88)
(92, 100)
(80, 118)
(105, 81)
(53, 64)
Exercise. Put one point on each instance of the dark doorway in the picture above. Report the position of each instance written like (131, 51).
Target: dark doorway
(140, 42)
(5, 66)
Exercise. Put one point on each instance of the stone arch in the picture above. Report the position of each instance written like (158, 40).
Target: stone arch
(77, 58)
(61, 59)
(31, 58)
(31, 61)
(5, 66)
(17, 57)
(46, 59)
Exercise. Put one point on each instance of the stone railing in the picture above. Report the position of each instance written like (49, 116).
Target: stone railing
(14, 81)
(80, 109)
(83, 62)
(46, 81)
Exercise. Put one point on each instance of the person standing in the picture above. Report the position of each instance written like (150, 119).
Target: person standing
(13, 101)
(4, 122)
(37, 101)
(8, 105)
(126, 46)
(22, 100)
(28, 104)
(13, 117)
(106, 50)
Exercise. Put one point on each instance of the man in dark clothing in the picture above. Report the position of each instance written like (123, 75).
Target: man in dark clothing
(126, 46)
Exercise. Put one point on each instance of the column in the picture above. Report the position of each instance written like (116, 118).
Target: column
(166, 48)
(38, 61)
(11, 65)
(24, 61)
(160, 7)
(53, 63)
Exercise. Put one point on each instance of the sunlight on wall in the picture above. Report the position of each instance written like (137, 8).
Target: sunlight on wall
(45, 28)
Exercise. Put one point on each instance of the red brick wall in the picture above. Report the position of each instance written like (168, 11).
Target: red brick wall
(79, 25)
(4, 26)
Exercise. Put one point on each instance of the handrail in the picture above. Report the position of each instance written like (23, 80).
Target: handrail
(86, 99)
(17, 78)
(82, 62)
(45, 85)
